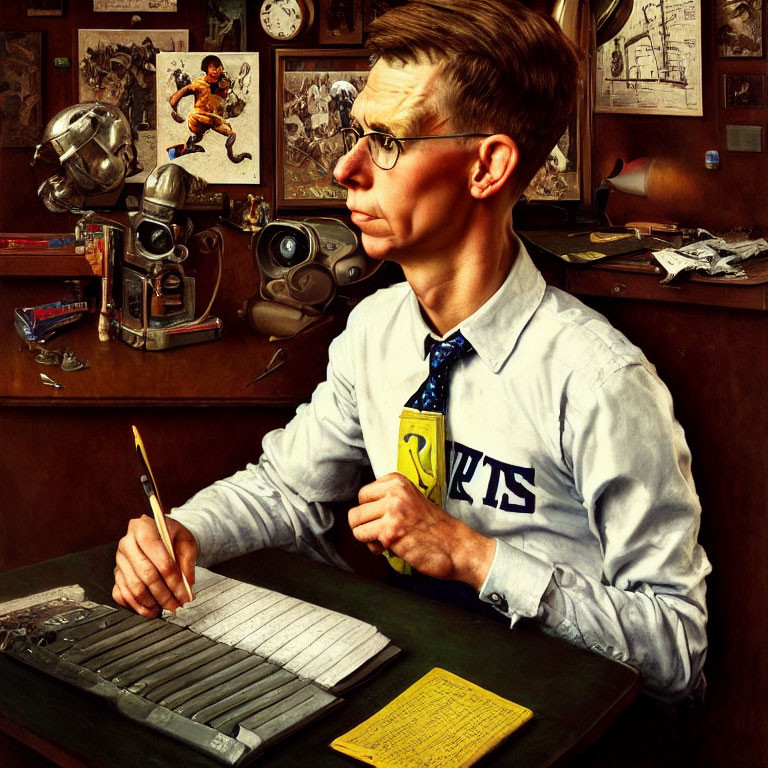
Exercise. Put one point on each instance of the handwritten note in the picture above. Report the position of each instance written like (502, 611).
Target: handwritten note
(440, 721)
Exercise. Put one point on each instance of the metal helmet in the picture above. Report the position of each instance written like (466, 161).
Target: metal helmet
(166, 189)
(93, 143)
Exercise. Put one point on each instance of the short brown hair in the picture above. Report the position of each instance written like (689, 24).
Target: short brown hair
(507, 69)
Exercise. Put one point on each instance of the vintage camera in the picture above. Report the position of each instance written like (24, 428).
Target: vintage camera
(302, 265)
(154, 301)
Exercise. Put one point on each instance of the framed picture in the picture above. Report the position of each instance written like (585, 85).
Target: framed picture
(213, 129)
(739, 28)
(21, 122)
(225, 25)
(118, 66)
(340, 22)
(315, 92)
(652, 66)
(44, 7)
(135, 6)
(744, 91)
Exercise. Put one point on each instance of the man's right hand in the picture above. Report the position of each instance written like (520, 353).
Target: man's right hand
(176, 116)
(146, 578)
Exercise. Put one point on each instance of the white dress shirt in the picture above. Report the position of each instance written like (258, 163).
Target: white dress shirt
(563, 447)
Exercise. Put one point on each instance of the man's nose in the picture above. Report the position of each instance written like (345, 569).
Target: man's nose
(353, 165)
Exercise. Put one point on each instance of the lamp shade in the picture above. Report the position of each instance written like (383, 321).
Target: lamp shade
(633, 177)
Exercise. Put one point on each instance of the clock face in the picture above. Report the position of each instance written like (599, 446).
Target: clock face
(283, 19)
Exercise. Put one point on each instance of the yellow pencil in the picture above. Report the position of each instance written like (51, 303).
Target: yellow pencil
(150, 488)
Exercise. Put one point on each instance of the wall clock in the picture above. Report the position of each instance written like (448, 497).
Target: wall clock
(285, 19)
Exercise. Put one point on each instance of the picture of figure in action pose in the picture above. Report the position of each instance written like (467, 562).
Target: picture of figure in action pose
(213, 105)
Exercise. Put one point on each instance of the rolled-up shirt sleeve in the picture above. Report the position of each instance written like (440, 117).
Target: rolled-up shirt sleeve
(647, 608)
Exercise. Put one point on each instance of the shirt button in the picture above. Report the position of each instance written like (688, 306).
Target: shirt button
(496, 597)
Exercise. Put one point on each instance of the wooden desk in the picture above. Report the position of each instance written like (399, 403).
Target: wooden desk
(574, 693)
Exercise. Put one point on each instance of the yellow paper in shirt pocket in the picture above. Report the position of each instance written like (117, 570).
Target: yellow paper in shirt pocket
(421, 452)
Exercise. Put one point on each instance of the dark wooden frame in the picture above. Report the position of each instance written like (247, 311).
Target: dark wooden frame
(326, 35)
(756, 99)
(317, 61)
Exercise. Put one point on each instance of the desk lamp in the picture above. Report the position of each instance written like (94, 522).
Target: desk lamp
(632, 178)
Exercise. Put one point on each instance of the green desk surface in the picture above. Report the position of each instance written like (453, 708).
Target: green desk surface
(574, 693)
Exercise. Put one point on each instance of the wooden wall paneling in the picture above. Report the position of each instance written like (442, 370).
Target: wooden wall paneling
(69, 476)
(686, 192)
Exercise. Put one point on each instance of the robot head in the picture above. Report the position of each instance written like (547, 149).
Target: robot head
(93, 144)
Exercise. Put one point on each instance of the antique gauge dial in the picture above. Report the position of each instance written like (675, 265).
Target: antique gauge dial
(286, 19)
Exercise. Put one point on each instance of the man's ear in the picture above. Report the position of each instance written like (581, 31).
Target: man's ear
(496, 160)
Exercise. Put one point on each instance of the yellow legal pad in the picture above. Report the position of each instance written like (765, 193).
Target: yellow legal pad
(441, 720)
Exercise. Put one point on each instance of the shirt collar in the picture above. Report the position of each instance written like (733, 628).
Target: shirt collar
(494, 328)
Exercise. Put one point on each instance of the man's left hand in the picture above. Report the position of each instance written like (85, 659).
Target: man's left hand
(393, 514)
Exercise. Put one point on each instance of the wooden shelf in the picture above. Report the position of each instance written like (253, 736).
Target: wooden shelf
(212, 373)
(44, 264)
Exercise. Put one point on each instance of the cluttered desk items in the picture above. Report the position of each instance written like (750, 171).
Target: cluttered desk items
(235, 670)
(677, 252)
(590, 246)
(442, 720)
(713, 256)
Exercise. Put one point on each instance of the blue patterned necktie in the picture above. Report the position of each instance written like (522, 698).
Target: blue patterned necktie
(432, 395)
(421, 438)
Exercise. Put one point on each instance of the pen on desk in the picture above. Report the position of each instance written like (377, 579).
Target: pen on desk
(150, 489)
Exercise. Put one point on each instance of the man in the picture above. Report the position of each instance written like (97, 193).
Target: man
(569, 498)
(209, 112)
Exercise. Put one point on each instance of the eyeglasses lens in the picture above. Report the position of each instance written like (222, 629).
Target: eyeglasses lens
(384, 150)
(382, 147)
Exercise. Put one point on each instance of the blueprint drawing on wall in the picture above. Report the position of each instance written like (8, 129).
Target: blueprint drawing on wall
(653, 65)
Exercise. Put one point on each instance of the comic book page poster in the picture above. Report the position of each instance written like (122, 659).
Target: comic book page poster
(21, 123)
(208, 115)
(118, 66)
(653, 65)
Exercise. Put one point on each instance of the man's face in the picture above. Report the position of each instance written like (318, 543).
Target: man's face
(214, 70)
(417, 208)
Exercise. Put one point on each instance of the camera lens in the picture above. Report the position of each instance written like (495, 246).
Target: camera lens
(288, 249)
(156, 239)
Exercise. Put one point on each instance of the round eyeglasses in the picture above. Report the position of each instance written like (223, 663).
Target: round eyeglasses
(385, 148)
